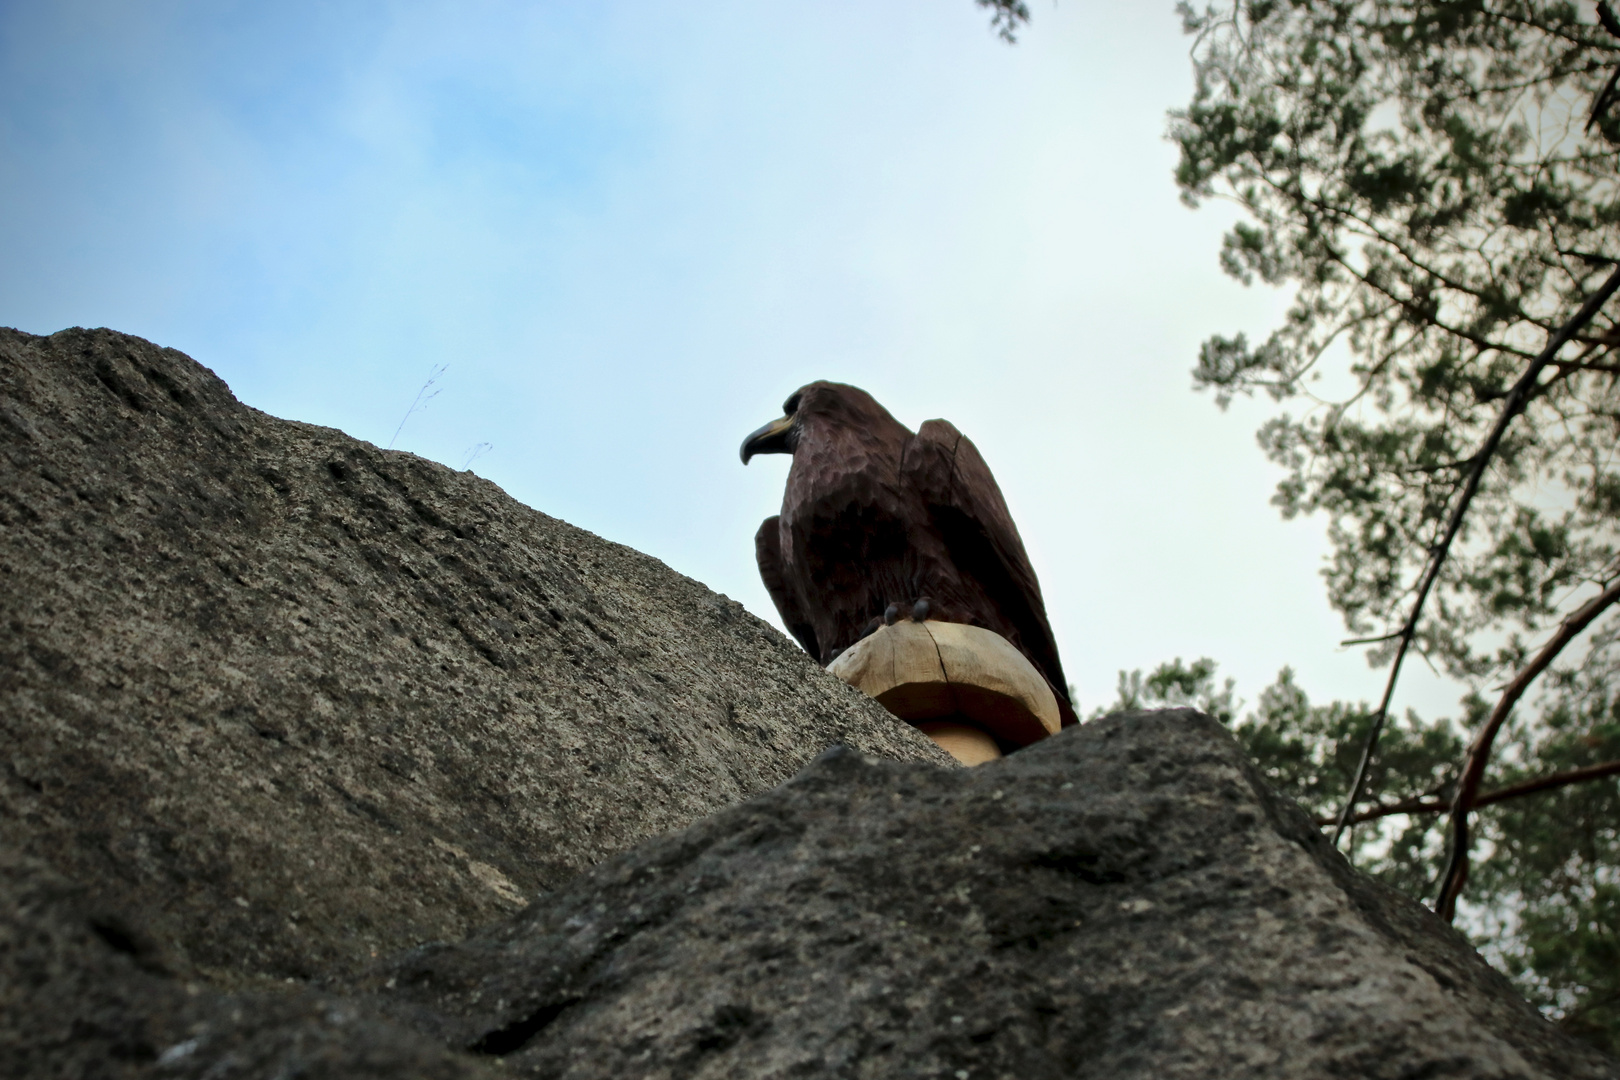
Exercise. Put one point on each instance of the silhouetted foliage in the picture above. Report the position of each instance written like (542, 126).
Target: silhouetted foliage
(1439, 183)
(1006, 16)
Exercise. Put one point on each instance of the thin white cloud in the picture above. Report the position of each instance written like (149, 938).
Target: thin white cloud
(630, 229)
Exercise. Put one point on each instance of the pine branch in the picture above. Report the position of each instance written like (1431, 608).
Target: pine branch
(1516, 401)
(1547, 783)
(1600, 104)
(1607, 18)
(1428, 804)
(1006, 17)
(1419, 804)
(1480, 753)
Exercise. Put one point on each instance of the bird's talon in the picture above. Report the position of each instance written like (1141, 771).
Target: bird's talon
(919, 610)
(891, 614)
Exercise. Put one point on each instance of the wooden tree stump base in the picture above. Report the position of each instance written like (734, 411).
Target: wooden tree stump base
(966, 687)
(963, 742)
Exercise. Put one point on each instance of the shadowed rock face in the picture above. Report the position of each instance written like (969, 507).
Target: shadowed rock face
(83, 993)
(1122, 900)
(272, 701)
(1125, 899)
(300, 702)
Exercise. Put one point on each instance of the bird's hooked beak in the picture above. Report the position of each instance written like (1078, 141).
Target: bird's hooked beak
(776, 437)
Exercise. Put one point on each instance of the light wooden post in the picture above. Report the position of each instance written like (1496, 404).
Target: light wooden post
(965, 687)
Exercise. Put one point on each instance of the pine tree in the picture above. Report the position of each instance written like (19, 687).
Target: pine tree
(1437, 182)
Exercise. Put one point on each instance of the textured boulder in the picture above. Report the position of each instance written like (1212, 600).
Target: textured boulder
(84, 995)
(296, 702)
(1126, 899)
(277, 707)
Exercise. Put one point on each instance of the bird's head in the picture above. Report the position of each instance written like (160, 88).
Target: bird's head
(815, 409)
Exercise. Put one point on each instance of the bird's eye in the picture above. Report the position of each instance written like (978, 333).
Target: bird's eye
(790, 406)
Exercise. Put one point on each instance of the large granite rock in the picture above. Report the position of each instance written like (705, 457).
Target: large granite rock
(299, 702)
(1126, 899)
(276, 706)
(83, 994)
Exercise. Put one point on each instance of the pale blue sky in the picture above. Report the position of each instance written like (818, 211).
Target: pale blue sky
(631, 229)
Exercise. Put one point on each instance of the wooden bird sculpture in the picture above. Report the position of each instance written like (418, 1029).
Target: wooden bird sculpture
(878, 522)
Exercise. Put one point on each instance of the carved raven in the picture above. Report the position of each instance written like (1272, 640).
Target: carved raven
(877, 521)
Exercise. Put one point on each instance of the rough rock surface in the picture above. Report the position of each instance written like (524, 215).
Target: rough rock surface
(1126, 899)
(84, 995)
(296, 702)
(274, 703)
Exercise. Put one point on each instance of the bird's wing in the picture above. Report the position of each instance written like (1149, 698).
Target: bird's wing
(768, 553)
(967, 508)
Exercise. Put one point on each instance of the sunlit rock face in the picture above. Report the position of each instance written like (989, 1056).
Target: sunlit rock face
(324, 761)
(302, 702)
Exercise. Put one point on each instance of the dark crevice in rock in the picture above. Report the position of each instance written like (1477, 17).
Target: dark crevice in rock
(521, 1032)
(1082, 864)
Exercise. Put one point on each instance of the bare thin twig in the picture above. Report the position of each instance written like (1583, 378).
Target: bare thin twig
(1517, 398)
(421, 399)
(1480, 753)
(1370, 640)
